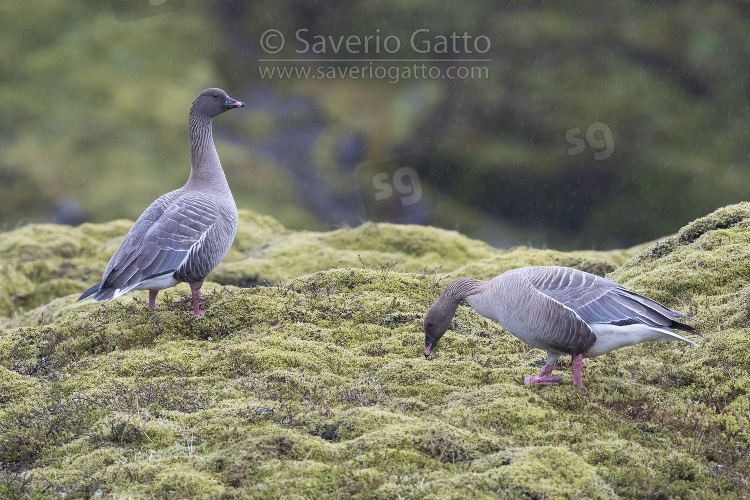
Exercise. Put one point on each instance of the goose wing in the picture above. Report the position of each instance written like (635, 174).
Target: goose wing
(158, 243)
(597, 300)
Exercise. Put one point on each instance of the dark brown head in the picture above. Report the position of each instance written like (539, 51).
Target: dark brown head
(439, 316)
(436, 323)
(213, 102)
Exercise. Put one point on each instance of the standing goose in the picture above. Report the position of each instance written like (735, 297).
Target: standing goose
(185, 233)
(560, 310)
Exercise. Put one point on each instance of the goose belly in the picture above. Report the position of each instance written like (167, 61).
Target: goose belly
(158, 282)
(611, 337)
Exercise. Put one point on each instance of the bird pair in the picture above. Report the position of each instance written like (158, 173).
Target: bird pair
(185, 233)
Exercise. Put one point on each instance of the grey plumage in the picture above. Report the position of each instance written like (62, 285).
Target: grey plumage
(599, 300)
(560, 310)
(594, 301)
(185, 233)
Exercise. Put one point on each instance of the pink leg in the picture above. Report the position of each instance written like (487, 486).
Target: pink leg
(196, 303)
(152, 299)
(577, 370)
(544, 377)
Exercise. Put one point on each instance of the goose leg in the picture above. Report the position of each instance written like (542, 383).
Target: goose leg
(544, 377)
(152, 299)
(577, 371)
(196, 303)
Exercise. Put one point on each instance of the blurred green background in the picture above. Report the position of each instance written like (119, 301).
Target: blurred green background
(599, 124)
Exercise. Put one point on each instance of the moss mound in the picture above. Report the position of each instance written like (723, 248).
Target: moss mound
(317, 387)
(599, 263)
(43, 262)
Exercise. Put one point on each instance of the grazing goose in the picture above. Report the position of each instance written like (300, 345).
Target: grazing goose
(185, 233)
(560, 310)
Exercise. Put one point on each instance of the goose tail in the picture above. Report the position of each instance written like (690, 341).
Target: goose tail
(90, 291)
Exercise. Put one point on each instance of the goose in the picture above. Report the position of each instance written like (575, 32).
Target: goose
(185, 233)
(560, 310)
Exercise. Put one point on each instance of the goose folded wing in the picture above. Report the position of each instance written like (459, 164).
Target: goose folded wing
(157, 245)
(598, 300)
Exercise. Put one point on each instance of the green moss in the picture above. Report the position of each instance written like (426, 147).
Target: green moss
(15, 387)
(599, 263)
(702, 271)
(44, 262)
(317, 387)
(369, 245)
(553, 473)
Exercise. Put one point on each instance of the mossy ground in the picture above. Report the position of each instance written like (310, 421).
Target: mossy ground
(316, 386)
(44, 261)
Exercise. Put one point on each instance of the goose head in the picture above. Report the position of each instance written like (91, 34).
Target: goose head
(213, 102)
(436, 323)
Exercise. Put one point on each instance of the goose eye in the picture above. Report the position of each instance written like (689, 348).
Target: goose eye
(216, 96)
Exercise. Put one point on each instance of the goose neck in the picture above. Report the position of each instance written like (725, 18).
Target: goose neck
(206, 172)
(462, 288)
(202, 149)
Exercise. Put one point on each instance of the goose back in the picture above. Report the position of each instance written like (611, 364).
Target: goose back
(598, 300)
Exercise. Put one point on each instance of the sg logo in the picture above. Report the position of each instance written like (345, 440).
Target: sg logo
(392, 191)
(598, 136)
(405, 182)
